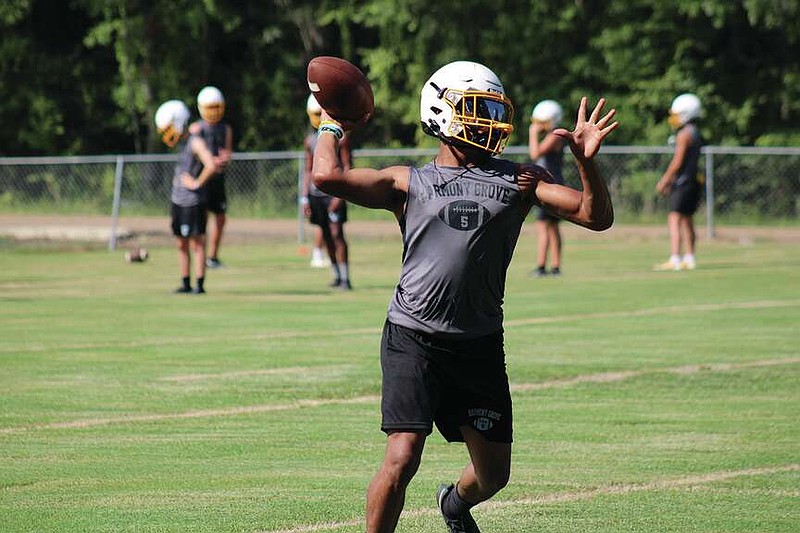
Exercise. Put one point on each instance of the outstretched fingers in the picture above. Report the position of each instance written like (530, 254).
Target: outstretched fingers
(611, 127)
(597, 109)
(582, 111)
(608, 116)
(606, 128)
(602, 125)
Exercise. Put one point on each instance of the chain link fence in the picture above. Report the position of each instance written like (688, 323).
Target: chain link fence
(744, 185)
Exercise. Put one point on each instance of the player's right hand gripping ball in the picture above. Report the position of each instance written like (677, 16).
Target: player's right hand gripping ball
(341, 89)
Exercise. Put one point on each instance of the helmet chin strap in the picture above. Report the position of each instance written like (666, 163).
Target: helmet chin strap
(463, 152)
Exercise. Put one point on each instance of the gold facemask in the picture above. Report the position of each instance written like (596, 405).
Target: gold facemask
(170, 136)
(212, 113)
(481, 119)
(314, 118)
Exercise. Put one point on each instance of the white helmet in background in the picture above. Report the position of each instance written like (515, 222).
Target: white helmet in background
(211, 104)
(314, 111)
(464, 103)
(684, 108)
(547, 112)
(171, 119)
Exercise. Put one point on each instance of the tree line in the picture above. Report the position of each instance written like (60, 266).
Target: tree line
(85, 76)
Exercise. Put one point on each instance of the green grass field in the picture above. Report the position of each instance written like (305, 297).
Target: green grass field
(644, 401)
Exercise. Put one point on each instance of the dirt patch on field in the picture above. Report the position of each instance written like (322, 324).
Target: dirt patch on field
(153, 231)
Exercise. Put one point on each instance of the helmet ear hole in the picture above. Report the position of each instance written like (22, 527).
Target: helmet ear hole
(431, 128)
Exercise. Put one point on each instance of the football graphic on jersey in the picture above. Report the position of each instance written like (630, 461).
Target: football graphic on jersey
(464, 215)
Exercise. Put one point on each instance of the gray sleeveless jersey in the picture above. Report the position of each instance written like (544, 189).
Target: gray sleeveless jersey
(460, 229)
(554, 162)
(311, 138)
(215, 136)
(188, 163)
(687, 174)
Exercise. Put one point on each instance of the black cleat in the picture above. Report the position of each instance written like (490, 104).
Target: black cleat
(344, 285)
(183, 290)
(198, 290)
(464, 523)
(540, 272)
(555, 271)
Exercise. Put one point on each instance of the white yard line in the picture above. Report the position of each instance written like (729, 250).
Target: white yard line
(304, 370)
(567, 497)
(602, 377)
(609, 377)
(701, 308)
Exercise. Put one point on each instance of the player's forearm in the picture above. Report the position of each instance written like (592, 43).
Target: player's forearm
(533, 148)
(596, 210)
(327, 171)
(672, 169)
(206, 174)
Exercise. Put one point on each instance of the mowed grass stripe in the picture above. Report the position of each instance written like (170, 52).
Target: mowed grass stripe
(299, 370)
(608, 377)
(598, 378)
(349, 332)
(568, 497)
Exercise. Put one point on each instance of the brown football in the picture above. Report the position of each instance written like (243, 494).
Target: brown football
(341, 89)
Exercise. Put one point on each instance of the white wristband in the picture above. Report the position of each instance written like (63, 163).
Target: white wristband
(331, 127)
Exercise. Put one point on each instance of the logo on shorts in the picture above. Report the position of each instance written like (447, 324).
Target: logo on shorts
(482, 424)
(185, 230)
(483, 419)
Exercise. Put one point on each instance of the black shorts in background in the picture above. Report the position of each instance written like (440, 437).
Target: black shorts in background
(189, 221)
(217, 199)
(319, 210)
(451, 383)
(685, 199)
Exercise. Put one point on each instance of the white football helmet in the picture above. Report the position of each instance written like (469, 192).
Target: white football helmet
(684, 108)
(465, 103)
(547, 112)
(314, 111)
(171, 119)
(211, 104)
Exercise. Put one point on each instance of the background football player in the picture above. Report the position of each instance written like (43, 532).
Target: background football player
(548, 153)
(195, 167)
(326, 213)
(218, 135)
(680, 182)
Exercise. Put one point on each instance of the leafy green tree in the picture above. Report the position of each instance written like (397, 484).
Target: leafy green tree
(86, 76)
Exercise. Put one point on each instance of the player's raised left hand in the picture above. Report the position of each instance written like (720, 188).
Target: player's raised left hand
(588, 135)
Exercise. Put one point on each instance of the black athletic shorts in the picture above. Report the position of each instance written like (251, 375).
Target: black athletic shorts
(319, 211)
(451, 383)
(217, 200)
(685, 199)
(189, 221)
